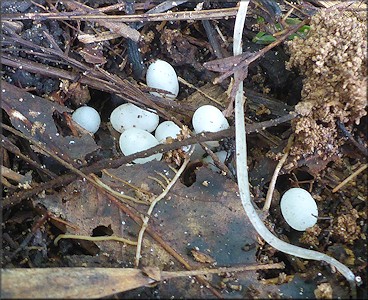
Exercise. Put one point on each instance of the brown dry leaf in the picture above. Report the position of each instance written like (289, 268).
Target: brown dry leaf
(202, 257)
(33, 116)
(210, 219)
(63, 283)
(83, 205)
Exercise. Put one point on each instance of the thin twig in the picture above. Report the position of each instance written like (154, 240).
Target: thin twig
(127, 183)
(272, 184)
(170, 274)
(121, 28)
(351, 139)
(349, 178)
(155, 201)
(212, 38)
(212, 14)
(94, 238)
(115, 193)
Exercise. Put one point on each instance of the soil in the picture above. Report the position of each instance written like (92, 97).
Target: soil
(58, 179)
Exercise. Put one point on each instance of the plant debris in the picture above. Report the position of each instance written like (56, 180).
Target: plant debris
(78, 215)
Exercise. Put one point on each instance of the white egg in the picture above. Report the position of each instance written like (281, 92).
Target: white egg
(209, 118)
(166, 129)
(134, 140)
(299, 209)
(208, 159)
(88, 118)
(129, 115)
(161, 75)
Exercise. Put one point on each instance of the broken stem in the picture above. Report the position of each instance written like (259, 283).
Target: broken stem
(242, 174)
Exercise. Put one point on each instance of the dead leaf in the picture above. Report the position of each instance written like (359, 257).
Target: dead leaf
(83, 205)
(65, 283)
(32, 115)
(202, 257)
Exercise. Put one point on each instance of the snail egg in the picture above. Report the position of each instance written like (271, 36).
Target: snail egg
(134, 140)
(208, 159)
(299, 209)
(88, 118)
(129, 115)
(166, 129)
(161, 75)
(209, 118)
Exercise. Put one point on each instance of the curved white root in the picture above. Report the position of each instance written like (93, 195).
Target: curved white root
(242, 173)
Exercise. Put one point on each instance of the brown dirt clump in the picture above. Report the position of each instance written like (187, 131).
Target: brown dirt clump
(345, 227)
(333, 61)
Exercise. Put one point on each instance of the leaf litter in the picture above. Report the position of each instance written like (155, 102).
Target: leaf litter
(196, 225)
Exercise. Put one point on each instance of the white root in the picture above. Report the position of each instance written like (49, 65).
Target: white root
(242, 173)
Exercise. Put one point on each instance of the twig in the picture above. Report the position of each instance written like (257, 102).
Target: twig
(94, 238)
(155, 201)
(212, 14)
(211, 34)
(10, 174)
(351, 139)
(121, 28)
(127, 183)
(163, 6)
(115, 193)
(171, 274)
(243, 181)
(350, 177)
(272, 184)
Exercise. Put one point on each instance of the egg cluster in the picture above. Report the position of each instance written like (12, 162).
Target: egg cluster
(137, 125)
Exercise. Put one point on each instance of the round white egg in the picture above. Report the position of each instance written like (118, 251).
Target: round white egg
(208, 159)
(209, 118)
(166, 129)
(129, 115)
(134, 140)
(161, 75)
(88, 118)
(299, 209)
